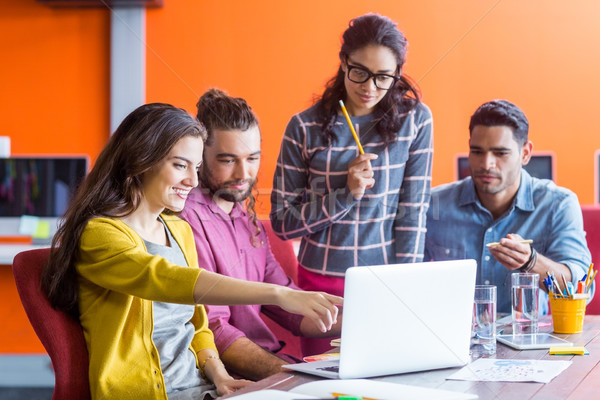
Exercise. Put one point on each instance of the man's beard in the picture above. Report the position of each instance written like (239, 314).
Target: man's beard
(221, 190)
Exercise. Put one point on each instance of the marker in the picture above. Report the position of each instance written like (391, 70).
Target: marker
(348, 397)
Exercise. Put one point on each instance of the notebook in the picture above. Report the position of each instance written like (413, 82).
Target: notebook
(402, 318)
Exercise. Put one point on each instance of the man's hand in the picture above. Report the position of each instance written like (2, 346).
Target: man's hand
(511, 253)
(246, 358)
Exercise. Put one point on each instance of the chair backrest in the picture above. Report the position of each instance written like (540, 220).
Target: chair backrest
(283, 250)
(591, 224)
(60, 334)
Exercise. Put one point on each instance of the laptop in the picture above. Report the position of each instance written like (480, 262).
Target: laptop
(402, 318)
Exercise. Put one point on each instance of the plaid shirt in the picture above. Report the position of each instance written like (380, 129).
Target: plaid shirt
(310, 198)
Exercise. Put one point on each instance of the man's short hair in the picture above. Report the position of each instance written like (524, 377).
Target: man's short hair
(502, 113)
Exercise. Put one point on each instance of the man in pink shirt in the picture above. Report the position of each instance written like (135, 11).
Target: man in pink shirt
(231, 240)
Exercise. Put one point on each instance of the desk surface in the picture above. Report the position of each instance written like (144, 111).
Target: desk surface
(581, 380)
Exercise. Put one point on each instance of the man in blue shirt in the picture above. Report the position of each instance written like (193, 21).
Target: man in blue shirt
(501, 202)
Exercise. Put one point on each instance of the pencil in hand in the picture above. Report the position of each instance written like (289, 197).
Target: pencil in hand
(494, 244)
(360, 148)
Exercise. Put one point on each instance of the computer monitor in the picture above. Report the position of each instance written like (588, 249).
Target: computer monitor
(541, 165)
(39, 186)
(40, 189)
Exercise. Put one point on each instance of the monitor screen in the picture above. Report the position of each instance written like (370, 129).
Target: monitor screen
(539, 166)
(39, 186)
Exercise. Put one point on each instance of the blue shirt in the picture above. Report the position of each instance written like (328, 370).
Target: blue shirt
(458, 227)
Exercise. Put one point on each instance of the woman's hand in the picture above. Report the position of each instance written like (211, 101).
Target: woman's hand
(214, 370)
(360, 175)
(229, 385)
(319, 307)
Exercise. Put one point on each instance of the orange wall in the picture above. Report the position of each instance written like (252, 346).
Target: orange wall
(541, 54)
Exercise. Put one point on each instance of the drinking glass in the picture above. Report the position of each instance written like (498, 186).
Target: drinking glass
(483, 327)
(524, 290)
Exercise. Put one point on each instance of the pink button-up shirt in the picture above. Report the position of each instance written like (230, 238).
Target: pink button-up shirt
(224, 244)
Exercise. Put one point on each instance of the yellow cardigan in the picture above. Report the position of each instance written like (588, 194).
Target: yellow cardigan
(118, 281)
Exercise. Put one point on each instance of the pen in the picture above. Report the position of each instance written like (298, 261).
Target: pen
(557, 291)
(524, 241)
(360, 148)
(566, 286)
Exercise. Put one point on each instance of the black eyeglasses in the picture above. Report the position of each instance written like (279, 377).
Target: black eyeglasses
(360, 75)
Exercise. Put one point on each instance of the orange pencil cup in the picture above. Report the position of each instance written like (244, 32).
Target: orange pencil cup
(567, 314)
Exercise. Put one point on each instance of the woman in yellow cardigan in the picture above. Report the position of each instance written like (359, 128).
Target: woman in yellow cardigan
(127, 268)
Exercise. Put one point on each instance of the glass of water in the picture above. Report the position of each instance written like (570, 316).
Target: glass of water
(483, 327)
(524, 291)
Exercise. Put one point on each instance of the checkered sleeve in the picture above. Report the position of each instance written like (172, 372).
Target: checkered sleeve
(410, 222)
(297, 207)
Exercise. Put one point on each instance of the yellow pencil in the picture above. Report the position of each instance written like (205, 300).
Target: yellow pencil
(589, 274)
(592, 279)
(494, 244)
(360, 148)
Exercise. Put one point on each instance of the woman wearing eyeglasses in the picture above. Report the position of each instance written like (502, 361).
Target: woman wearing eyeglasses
(349, 208)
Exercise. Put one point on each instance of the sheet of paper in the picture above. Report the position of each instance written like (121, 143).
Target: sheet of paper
(271, 394)
(42, 231)
(28, 225)
(376, 390)
(490, 369)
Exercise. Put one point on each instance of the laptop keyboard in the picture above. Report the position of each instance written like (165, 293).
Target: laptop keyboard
(333, 368)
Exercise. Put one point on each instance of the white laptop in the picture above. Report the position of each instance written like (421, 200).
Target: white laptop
(402, 318)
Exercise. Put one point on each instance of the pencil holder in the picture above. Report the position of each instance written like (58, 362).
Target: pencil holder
(567, 314)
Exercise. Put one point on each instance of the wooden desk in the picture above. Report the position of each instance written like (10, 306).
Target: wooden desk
(581, 380)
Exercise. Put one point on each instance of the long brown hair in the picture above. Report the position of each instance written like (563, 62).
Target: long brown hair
(113, 188)
(371, 29)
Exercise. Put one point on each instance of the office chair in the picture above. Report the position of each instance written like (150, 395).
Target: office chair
(60, 334)
(284, 253)
(591, 224)
(283, 250)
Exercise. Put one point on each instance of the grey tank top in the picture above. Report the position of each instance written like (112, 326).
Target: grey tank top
(173, 332)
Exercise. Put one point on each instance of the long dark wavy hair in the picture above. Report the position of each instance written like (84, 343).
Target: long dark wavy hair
(113, 188)
(219, 111)
(371, 29)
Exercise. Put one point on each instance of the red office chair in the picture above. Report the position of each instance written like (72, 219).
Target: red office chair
(284, 253)
(60, 334)
(591, 224)
(283, 250)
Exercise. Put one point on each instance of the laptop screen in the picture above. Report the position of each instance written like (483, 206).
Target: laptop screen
(39, 186)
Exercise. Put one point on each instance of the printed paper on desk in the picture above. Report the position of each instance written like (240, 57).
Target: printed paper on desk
(376, 390)
(489, 369)
(271, 394)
